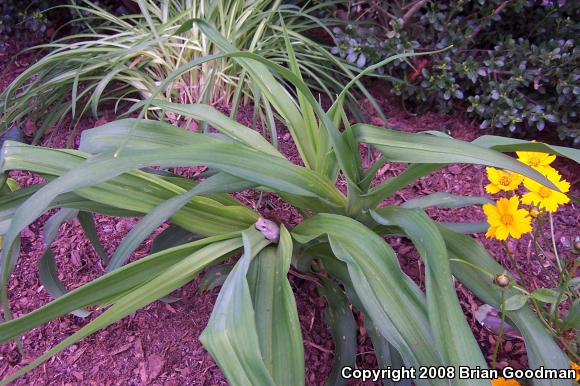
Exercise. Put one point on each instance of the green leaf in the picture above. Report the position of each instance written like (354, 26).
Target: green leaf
(400, 146)
(572, 320)
(546, 295)
(393, 185)
(214, 277)
(276, 315)
(416, 171)
(453, 336)
(167, 281)
(171, 237)
(107, 286)
(385, 353)
(343, 328)
(255, 65)
(262, 171)
(234, 159)
(476, 269)
(10, 202)
(219, 183)
(11, 260)
(276, 94)
(390, 298)
(318, 138)
(515, 302)
(231, 334)
(103, 83)
(144, 134)
(226, 125)
(504, 144)
(445, 200)
(87, 222)
(467, 227)
(47, 272)
(135, 191)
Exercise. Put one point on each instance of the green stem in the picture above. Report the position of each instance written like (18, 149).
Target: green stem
(538, 309)
(560, 267)
(570, 350)
(564, 286)
(515, 265)
(500, 337)
(536, 246)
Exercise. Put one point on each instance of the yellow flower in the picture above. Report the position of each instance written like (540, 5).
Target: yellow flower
(505, 219)
(576, 367)
(546, 198)
(501, 381)
(502, 180)
(539, 161)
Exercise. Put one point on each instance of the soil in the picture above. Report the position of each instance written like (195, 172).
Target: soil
(159, 344)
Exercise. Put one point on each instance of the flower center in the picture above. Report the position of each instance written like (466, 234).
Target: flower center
(505, 180)
(507, 219)
(544, 192)
(534, 161)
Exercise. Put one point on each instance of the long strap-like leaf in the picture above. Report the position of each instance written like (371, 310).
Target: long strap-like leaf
(465, 254)
(223, 123)
(400, 146)
(219, 183)
(47, 265)
(233, 159)
(161, 285)
(231, 335)
(343, 328)
(395, 304)
(277, 322)
(452, 334)
(107, 286)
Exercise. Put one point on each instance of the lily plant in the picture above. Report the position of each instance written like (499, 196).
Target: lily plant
(254, 331)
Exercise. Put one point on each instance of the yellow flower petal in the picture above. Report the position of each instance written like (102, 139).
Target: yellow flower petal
(529, 198)
(490, 210)
(576, 367)
(492, 189)
(502, 206)
(490, 232)
(513, 231)
(502, 232)
(502, 180)
(501, 381)
(535, 159)
(513, 203)
(522, 227)
(544, 197)
(505, 219)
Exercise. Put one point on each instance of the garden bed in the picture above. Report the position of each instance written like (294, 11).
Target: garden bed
(159, 344)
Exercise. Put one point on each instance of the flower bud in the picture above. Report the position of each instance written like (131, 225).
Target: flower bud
(502, 280)
(577, 246)
(534, 212)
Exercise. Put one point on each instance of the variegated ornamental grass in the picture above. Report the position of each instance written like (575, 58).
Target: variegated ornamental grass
(254, 333)
(118, 60)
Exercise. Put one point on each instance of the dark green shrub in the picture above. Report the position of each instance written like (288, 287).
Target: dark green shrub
(16, 17)
(513, 65)
(35, 17)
